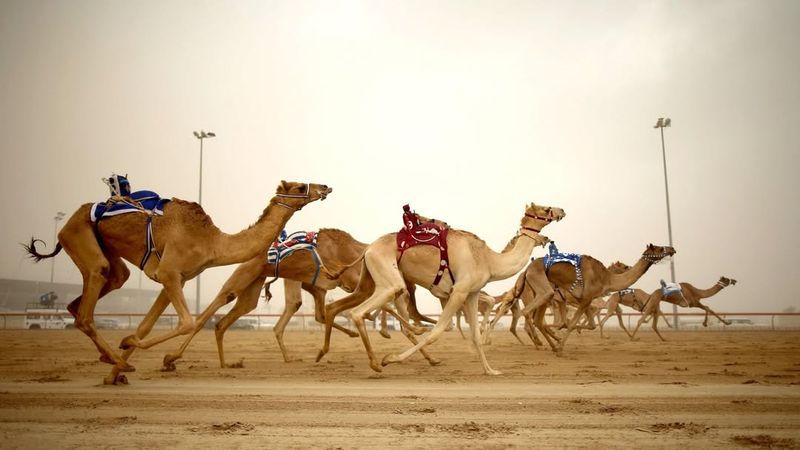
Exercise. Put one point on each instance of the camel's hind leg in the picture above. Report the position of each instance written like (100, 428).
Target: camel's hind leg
(364, 289)
(709, 310)
(247, 301)
(471, 307)
(101, 275)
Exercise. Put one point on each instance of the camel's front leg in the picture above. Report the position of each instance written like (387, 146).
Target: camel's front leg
(158, 307)
(471, 307)
(381, 296)
(173, 285)
(408, 330)
(455, 302)
(709, 310)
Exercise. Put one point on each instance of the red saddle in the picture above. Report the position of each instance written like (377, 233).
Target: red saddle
(429, 233)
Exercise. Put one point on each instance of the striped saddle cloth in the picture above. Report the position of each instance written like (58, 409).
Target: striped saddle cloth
(288, 244)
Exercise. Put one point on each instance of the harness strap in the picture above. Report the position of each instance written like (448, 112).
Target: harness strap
(317, 266)
(150, 243)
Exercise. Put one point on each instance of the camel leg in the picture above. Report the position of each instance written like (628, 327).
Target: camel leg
(246, 280)
(406, 328)
(471, 306)
(573, 322)
(384, 293)
(414, 313)
(366, 286)
(384, 331)
(248, 301)
(709, 310)
(101, 274)
(618, 313)
(144, 328)
(458, 323)
(516, 313)
(454, 303)
(173, 285)
(655, 325)
(292, 301)
(501, 311)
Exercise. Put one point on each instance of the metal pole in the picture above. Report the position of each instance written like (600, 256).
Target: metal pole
(53, 260)
(669, 226)
(199, 202)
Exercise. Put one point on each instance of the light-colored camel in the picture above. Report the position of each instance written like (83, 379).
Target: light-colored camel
(185, 242)
(690, 299)
(597, 281)
(336, 249)
(472, 264)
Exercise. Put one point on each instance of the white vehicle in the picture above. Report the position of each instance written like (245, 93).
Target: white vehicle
(40, 317)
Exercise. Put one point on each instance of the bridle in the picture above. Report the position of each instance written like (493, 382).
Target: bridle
(295, 208)
(547, 220)
(654, 258)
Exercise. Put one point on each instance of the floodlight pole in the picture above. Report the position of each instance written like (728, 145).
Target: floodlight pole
(200, 135)
(661, 124)
(58, 217)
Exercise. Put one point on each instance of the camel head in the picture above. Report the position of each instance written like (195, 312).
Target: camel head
(655, 253)
(724, 282)
(294, 195)
(537, 217)
(618, 267)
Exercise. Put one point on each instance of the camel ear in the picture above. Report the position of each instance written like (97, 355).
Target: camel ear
(284, 186)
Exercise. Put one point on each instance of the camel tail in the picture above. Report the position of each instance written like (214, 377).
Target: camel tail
(334, 275)
(36, 256)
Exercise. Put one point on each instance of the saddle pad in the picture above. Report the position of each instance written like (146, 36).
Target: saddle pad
(140, 201)
(670, 288)
(288, 244)
(554, 256)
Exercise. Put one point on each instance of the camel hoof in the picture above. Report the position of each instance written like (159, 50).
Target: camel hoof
(434, 361)
(129, 342)
(386, 334)
(493, 372)
(352, 334)
(388, 359)
(320, 355)
(125, 367)
(107, 360)
(115, 380)
(375, 366)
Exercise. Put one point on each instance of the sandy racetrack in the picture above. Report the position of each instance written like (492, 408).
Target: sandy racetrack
(699, 390)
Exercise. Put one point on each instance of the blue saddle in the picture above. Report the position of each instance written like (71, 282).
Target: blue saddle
(554, 256)
(668, 289)
(147, 202)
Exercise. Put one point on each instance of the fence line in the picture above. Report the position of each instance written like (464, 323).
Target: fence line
(16, 320)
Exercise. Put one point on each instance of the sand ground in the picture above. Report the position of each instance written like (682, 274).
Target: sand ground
(724, 389)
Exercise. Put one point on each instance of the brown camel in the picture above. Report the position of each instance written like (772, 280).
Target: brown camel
(336, 249)
(472, 265)
(512, 299)
(184, 243)
(597, 280)
(690, 299)
(632, 298)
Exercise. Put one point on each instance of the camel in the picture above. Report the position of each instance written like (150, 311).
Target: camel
(472, 265)
(632, 298)
(183, 242)
(597, 281)
(336, 249)
(510, 301)
(690, 299)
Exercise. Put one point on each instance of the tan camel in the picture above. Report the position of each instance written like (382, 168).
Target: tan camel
(632, 298)
(690, 299)
(184, 243)
(336, 249)
(472, 265)
(597, 281)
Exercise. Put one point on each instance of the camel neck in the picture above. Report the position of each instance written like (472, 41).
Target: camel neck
(512, 259)
(249, 243)
(705, 293)
(625, 279)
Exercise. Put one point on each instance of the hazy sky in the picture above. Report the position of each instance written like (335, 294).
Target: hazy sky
(467, 110)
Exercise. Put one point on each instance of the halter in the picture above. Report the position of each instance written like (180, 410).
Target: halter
(722, 284)
(654, 258)
(296, 208)
(547, 220)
